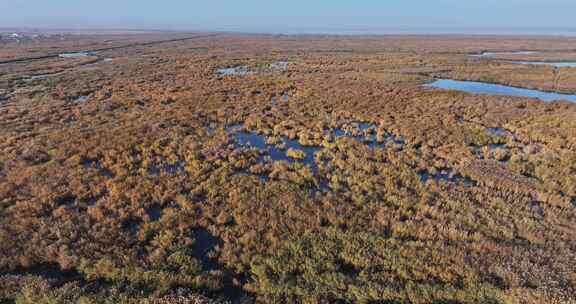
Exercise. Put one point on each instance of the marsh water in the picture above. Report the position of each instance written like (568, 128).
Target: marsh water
(493, 54)
(445, 176)
(553, 64)
(497, 89)
(245, 139)
(285, 97)
(241, 70)
(279, 65)
(75, 54)
(237, 70)
(81, 99)
(254, 140)
(556, 64)
(498, 132)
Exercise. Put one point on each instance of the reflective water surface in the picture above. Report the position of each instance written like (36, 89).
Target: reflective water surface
(75, 54)
(494, 54)
(237, 70)
(554, 64)
(497, 89)
(362, 132)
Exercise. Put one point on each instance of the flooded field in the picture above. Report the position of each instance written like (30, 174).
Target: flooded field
(475, 87)
(292, 150)
(237, 168)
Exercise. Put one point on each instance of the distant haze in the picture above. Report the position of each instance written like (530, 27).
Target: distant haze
(298, 16)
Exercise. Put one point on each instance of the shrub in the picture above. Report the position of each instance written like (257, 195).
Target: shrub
(361, 267)
(296, 154)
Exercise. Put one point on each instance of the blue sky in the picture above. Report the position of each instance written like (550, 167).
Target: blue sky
(289, 16)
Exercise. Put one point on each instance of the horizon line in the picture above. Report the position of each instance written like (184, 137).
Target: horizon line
(440, 31)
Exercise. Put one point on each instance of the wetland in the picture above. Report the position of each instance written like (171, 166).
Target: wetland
(238, 168)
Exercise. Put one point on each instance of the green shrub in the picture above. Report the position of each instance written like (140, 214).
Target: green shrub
(361, 267)
(296, 154)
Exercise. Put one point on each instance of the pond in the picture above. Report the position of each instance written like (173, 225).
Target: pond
(80, 99)
(557, 64)
(232, 71)
(446, 177)
(279, 65)
(553, 64)
(237, 70)
(494, 54)
(154, 213)
(284, 97)
(497, 89)
(166, 168)
(75, 54)
(500, 132)
(249, 139)
(242, 70)
(40, 76)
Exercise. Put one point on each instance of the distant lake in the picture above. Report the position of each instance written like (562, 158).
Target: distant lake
(494, 54)
(554, 64)
(497, 89)
(450, 32)
(558, 64)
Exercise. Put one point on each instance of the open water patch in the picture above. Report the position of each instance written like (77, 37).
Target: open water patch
(76, 54)
(292, 151)
(240, 70)
(99, 167)
(285, 97)
(366, 133)
(280, 65)
(41, 76)
(445, 176)
(166, 168)
(495, 54)
(80, 99)
(500, 132)
(475, 87)
(277, 152)
(154, 213)
(557, 64)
